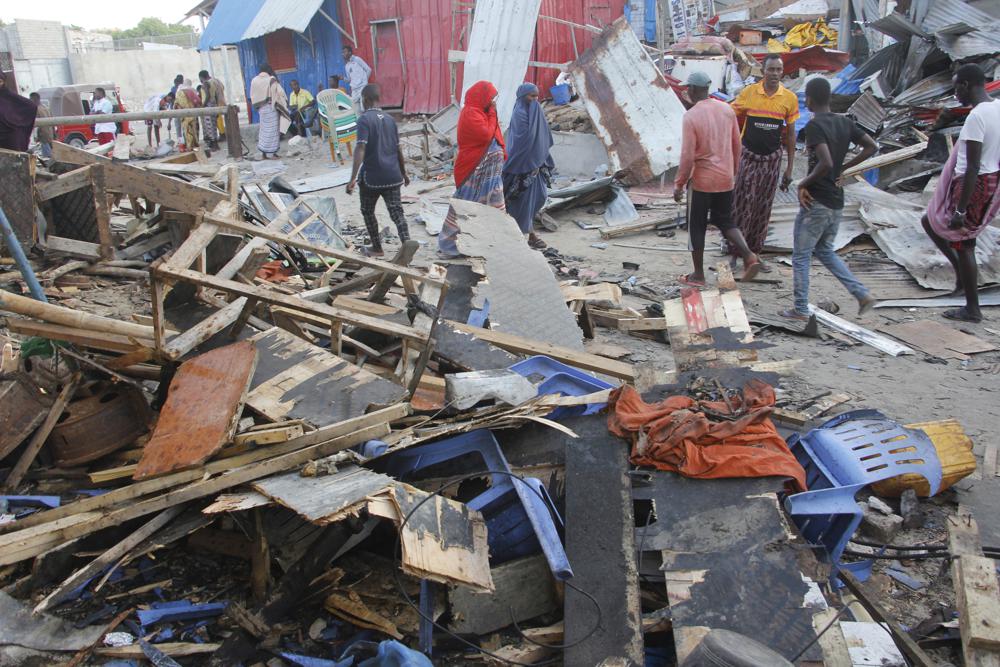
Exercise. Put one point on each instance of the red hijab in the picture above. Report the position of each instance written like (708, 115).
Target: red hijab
(478, 126)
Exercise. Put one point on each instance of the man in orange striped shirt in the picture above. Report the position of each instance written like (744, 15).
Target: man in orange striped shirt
(767, 111)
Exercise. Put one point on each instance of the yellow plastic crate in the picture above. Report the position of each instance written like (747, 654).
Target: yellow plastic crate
(954, 450)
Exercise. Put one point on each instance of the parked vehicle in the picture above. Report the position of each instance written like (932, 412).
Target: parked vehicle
(75, 101)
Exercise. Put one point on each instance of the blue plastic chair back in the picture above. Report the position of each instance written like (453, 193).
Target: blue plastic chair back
(841, 457)
(555, 377)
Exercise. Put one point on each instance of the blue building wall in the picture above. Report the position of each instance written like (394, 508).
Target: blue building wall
(312, 68)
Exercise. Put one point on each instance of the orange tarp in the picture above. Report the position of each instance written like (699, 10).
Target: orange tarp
(677, 435)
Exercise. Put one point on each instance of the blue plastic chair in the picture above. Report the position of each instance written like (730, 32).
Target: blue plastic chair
(519, 518)
(840, 458)
(555, 377)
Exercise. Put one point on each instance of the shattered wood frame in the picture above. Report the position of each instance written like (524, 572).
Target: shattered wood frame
(177, 268)
(93, 176)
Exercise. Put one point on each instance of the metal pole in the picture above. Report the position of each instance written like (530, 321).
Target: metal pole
(20, 259)
(131, 115)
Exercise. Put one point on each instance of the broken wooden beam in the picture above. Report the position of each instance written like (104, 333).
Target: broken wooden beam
(17, 473)
(977, 593)
(49, 312)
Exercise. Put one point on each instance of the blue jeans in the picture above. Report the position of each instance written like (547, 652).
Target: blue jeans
(815, 231)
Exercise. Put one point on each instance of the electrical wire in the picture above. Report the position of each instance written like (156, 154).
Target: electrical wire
(397, 556)
(822, 632)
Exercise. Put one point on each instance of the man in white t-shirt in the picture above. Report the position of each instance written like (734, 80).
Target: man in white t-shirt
(101, 105)
(358, 72)
(967, 197)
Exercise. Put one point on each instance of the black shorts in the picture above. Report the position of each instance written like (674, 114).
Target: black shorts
(709, 207)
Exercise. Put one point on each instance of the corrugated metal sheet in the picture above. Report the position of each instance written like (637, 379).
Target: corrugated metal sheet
(946, 15)
(948, 12)
(635, 111)
(867, 112)
(926, 90)
(500, 48)
(229, 21)
(277, 14)
(897, 26)
(978, 43)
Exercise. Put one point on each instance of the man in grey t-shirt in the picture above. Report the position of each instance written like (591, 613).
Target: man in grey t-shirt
(378, 161)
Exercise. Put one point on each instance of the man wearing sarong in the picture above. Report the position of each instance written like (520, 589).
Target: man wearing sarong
(767, 111)
(967, 196)
(269, 99)
(213, 94)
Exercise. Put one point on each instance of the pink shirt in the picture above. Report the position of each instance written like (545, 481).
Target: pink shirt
(710, 148)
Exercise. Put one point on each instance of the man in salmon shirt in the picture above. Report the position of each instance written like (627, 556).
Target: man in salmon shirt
(710, 156)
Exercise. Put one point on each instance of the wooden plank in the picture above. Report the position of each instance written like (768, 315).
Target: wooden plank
(102, 211)
(73, 247)
(17, 473)
(90, 339)
(364, 306)
(310, 441)
(48, 312)
(236, 263)
(632, 228)
(643, 324)
(345, 255)
(30, 542)
(172, 649)
(191, 338)
(324, 499)
(170, 192)
(977, 592)
(68, 182)
(193, 247)
(524, 589)
(106, 559)
(298, 380)
(202, 407)
(520, 345)
(594, 292)
(938, 339)
(292, 302)
(886, 159)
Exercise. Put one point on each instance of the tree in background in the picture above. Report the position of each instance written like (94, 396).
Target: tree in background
(150, 27)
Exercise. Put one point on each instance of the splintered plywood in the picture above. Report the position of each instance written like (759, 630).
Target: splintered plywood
(298, 380)
(938, 340)
(524, 295)
(635, 111)
(443, 540)
(327, 498)
(709, 328)
(203, 406)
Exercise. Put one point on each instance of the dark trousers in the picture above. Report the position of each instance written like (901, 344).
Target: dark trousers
(369, 198)
(709, 207)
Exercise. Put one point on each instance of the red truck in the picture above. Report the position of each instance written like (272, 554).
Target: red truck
(75, 101)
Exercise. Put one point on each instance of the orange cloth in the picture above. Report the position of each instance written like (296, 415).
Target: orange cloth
(676, 435)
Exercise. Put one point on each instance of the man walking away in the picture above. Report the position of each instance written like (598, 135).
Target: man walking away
(357, 71)
(768, 111)
(967, 197)
(178, 80)
(710, 153)
(382, 171)
(100, 105)
(44, 135)
(302, 105)
(821, 198)
(213, 94)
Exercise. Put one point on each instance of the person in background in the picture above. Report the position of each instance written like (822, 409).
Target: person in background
(178, 80)
(302, 106)
(268, 98)
(529, 165)
(44, 135)
(154, 103)
(768, 111)
(480, 159)
(860, 51)
(213, 94)
(967, 196)
(101, 105)
(821, 198)
(335, 82)
(379, 161)
(710, 156)
(187, 98)
(358, 72)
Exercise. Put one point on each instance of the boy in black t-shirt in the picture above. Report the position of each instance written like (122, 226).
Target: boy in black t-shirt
(828, 138)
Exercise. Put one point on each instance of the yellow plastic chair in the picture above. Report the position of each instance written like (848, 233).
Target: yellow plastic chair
(338, 120)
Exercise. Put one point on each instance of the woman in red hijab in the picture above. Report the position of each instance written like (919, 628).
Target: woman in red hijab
(480, 160)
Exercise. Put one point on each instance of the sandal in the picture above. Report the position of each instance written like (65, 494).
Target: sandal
(537, 243)
(371, 252)
(690, 282)
(792, 314)
(751, 272)
(962, 315)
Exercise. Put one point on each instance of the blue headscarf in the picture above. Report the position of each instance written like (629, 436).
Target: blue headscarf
(529, 138)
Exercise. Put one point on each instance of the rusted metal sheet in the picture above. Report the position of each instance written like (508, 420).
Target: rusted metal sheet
(203, 405)
(635, 112)
(110, 419)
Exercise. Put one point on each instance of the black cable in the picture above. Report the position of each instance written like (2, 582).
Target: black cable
(397, 561)
(817, 637)
(902, 547)
(562, 647)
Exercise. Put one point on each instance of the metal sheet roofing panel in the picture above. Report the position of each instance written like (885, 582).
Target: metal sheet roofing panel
(867, 112)
(944, 13)
(979, 43)
(922, 92)
(229, 21)
(503, 32)
(635, 111)
(277, 14)
(897, 26)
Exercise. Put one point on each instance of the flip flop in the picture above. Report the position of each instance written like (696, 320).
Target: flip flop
(792, 314)
(961, 315)
(751, 272)
(537, 244)
(765, 268)
(686, 280)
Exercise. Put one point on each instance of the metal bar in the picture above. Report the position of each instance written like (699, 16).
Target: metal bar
(21, 259)
(130, 115)
(336, 25)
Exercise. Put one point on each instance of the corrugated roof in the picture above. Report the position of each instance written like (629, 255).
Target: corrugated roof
(945, 18)
(933, 87)
(944, 13)
(233, 21)
(500, 42)
(867, 112)
(979, 43)
(635, 111)
(897, 26)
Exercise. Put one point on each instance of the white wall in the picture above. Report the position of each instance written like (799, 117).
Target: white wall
(141, 74)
